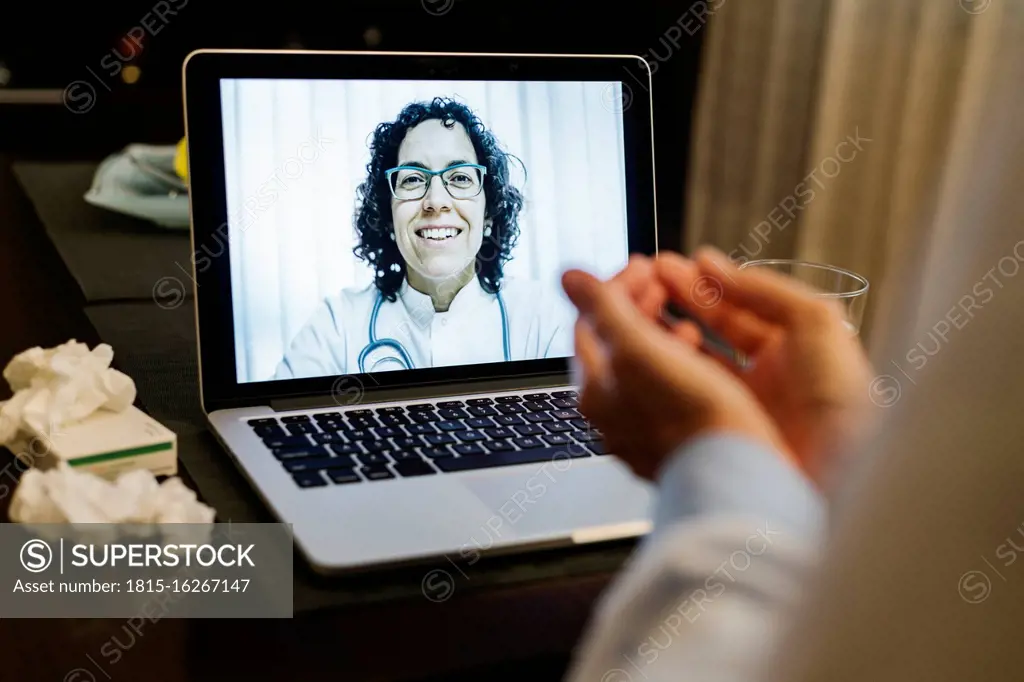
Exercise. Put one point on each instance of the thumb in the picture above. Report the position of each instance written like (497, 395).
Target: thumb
(606, 306)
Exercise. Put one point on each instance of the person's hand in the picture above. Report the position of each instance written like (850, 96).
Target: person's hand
(809, 371)
(649, 389)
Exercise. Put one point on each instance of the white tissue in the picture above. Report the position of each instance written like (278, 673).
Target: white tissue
(66, 495)
(59, 386)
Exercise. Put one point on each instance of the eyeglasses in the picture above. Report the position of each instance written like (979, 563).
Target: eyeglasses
(409, 183)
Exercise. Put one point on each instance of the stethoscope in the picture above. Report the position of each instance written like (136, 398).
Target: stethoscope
(403, 355)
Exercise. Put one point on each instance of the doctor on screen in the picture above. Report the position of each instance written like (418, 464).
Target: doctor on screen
(437, 219)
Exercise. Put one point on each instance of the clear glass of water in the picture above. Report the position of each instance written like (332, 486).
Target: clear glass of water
(847, 287)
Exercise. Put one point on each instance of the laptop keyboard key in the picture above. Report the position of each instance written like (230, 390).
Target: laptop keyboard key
(295, 418)
(376, 445)
(535, 417)
(326, 438)
(318, 463)
(453, 413)
(536, 396)
(373, 458)
(297, 453)
(511, 408)
(436, 453)
(536, 405)
(406, 456)
(309, 479)
(471, 435)
(498, 459)
(341, 449)
(269, 430)
(508, 420)
(557, 427)
(557, 439)
(420, 429)
(414, 468)
(299, 428)
(286, 442)
(343, 476)
(597, 447)
(528, 442)
(266, 421)
(480, 401)
(451, 426)
(528, 430)
(565, 403)
(483, 411)
(509, 399)
(376, 472)
(498, 445)
(565, 394)
(439, 438)
(479, 423)
(362, 424)
(450, 403)
(407, 443)
(468, 449)
(500, 432)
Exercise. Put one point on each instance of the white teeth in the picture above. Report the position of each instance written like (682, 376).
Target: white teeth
(439, 233)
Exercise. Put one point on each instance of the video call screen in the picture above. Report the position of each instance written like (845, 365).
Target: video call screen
(392, 225)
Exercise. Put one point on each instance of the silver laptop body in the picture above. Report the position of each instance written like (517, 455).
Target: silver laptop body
(543, 496)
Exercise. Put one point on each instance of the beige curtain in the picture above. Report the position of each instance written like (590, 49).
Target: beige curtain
(822, 130)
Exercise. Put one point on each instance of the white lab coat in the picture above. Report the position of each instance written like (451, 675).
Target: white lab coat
(470, 332)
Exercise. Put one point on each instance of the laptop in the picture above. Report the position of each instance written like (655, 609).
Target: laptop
(384, 345)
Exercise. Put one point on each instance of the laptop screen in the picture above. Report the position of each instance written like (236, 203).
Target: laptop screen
(388, 225)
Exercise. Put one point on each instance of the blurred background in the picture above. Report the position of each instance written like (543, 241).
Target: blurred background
(811, 129)
(44, 49)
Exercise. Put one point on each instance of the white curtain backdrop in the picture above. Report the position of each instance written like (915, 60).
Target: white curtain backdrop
(296, 150)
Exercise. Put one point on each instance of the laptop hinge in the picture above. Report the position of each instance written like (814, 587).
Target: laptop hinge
(426, 392)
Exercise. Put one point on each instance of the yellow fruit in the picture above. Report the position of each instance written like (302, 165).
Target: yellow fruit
(181, 160)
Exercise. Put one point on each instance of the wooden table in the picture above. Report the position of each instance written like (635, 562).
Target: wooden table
(501, 634)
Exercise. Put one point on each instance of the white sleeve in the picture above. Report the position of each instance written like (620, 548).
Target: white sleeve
(736, 532)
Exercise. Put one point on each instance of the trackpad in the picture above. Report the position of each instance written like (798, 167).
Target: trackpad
(557, 497)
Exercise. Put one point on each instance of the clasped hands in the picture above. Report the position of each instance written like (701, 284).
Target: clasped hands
(649, 387)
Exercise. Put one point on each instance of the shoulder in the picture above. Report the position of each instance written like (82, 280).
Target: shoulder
(517, 288)
(544, 297)
(343, 305)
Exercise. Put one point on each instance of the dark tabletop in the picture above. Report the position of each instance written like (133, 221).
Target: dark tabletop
(500, 633)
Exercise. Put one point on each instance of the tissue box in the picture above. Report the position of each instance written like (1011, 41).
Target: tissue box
(107, 444)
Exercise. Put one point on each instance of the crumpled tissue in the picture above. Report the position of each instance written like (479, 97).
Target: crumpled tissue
(65, 495)
(59, 386)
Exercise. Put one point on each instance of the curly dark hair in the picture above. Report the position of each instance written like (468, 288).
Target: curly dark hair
(373, 221)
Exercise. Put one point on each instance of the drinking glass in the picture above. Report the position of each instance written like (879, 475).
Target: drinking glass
(845, 286)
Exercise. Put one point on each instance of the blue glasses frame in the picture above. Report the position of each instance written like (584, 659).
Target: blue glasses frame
(430, 177)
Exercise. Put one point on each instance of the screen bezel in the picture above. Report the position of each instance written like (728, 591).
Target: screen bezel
(202, 72)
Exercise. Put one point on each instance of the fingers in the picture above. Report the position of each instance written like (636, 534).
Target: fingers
(769, 295)
(639, 280)
(702, 297)
(593, 375)
(606, 305)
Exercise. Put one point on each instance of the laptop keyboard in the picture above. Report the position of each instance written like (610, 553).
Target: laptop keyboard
(362, 445)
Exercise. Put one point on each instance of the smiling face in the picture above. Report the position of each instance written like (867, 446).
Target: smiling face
(438, 236)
